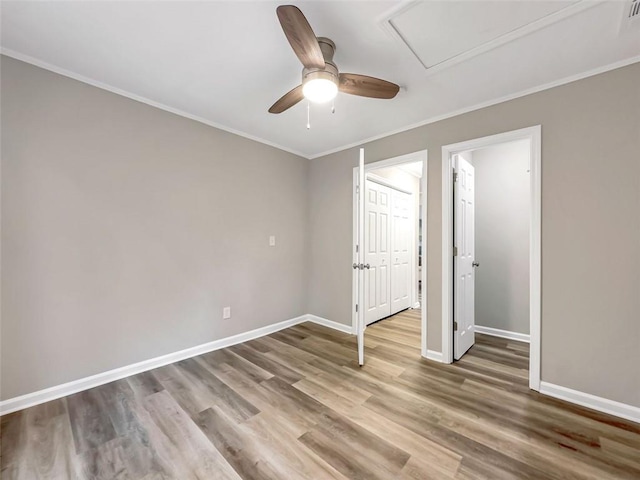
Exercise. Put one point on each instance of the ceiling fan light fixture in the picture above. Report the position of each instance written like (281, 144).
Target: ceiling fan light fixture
(320, 87)
(321, 80)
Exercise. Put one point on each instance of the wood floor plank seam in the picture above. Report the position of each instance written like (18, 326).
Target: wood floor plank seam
(296, 405)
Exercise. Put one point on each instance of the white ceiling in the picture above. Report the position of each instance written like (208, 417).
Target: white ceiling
(225, 63)
(433, 29)
(414, 168)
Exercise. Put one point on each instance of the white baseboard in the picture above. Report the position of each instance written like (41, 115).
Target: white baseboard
(496, 332)
(600, 404)
(58, 391)
(435, 356)
(341, 327)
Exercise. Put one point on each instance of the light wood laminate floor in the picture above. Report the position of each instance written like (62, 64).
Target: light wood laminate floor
(295, 405)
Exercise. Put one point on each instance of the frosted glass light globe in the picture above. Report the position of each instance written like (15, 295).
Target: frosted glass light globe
(320, 90)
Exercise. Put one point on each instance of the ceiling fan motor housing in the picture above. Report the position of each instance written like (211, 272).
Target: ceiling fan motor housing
(330, 70)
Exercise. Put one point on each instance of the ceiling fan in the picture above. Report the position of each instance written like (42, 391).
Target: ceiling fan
(321, 80)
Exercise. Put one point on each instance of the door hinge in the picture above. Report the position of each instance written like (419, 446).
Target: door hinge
(357, 248)
(356, 308)
(455, 176)
(455, 251)
(357, 189)
(455, 326)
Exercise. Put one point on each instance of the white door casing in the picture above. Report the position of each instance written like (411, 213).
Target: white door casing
(401, 250)
(377, 223)
(464, 241)
(534, 136)
(358, 178)
(420, 156)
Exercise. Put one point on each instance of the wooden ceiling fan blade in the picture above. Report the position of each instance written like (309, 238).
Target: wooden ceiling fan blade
(300, 35)
(288, 100)
(365, 86)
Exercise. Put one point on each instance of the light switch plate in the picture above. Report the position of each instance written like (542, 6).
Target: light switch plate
(226, 313)
(272, 241)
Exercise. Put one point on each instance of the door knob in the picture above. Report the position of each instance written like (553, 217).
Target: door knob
(367, 266)
(355, 266)
(475, 264)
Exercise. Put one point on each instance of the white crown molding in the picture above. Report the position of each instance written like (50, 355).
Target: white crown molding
(496, 332)
(118, 91)
(488, 103)
(622, 410)
(175, 111)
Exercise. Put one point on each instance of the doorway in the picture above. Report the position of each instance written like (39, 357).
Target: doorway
(393, 244)
(459, 259)
(391, 198)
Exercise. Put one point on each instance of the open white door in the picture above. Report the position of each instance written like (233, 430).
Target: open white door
(359, 264)
(464, 262)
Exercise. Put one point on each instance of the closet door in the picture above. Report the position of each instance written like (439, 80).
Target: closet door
(401, 251)
(377, 223)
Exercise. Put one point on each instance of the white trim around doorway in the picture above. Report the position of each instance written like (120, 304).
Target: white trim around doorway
(419, 156)
(534, 135)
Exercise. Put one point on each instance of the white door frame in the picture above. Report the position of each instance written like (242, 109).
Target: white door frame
(534, 135)
(420, 156)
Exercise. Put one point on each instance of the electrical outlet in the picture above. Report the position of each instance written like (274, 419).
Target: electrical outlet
(272, 241)
(226, 313)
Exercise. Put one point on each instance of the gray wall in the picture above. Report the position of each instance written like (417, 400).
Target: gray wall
(502, 219)
(590, 225)
(126, 229)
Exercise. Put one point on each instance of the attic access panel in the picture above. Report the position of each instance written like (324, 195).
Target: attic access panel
(440, 33)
